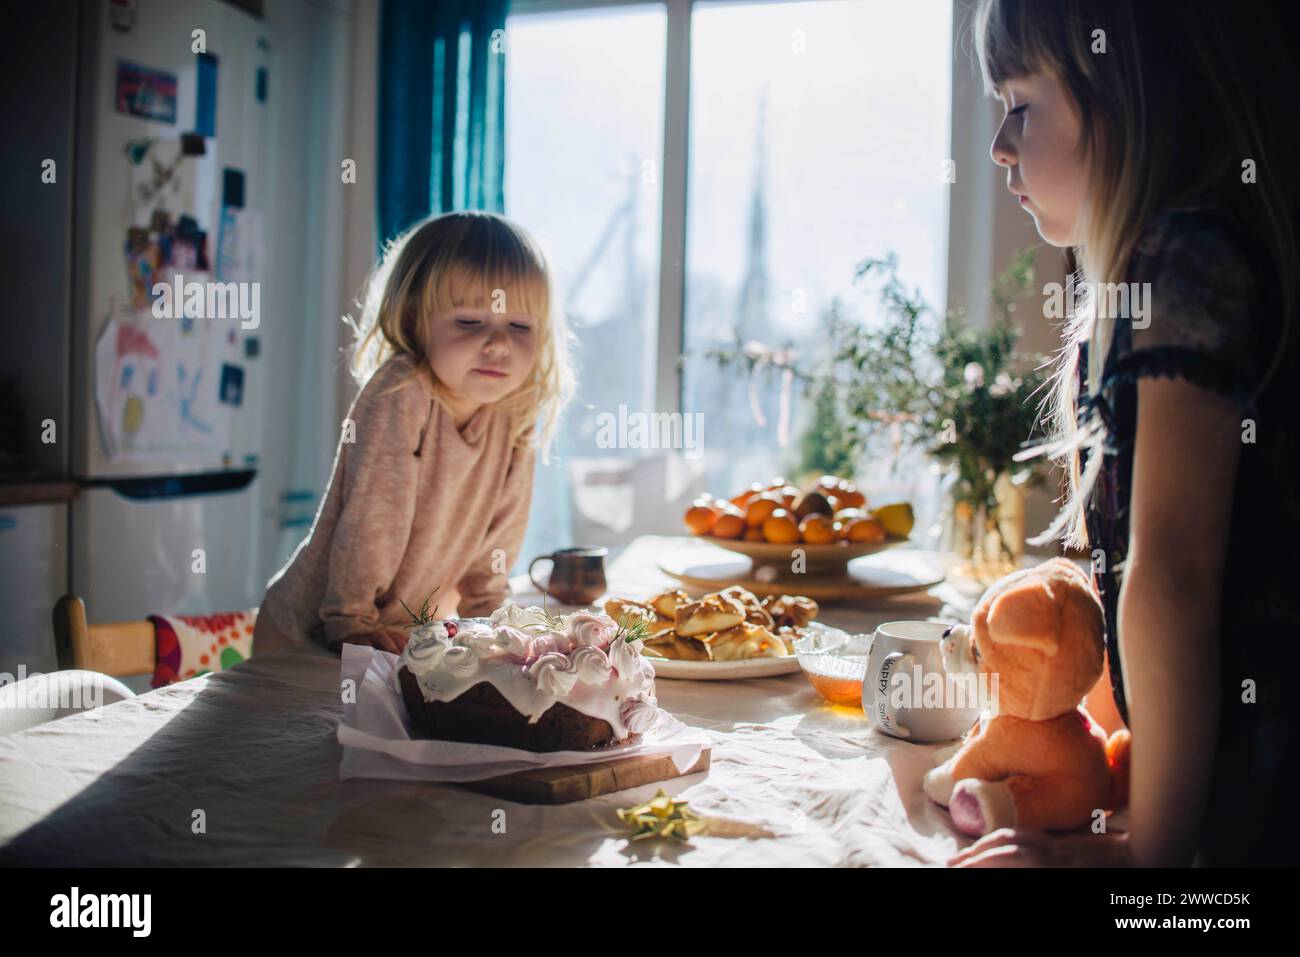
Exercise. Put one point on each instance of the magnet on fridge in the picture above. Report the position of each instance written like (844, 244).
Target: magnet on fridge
(205, 103)
(149, 94)
(232, 188)
(121, 15)
(232, 384)
(144, 257)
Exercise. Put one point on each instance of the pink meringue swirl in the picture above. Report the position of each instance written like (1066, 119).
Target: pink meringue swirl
(554, 673)
(639, 714)
(587, 628)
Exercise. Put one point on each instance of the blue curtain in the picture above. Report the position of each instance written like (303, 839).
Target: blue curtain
(441, 109)
(442, 147)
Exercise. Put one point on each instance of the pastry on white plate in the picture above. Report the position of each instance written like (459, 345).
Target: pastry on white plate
(669, 644)
(792, 611)
(619, 608)
(746, 641)
(755, 613)
(668, 601)
(711, 613)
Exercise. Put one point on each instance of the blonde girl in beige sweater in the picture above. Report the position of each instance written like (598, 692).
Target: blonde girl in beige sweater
(464, 370)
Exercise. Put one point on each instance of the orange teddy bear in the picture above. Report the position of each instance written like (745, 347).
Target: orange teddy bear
(1037, 760)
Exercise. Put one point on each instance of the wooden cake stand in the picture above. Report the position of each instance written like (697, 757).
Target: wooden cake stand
(827, 572)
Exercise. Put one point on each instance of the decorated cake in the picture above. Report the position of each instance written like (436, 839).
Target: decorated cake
(527, 679)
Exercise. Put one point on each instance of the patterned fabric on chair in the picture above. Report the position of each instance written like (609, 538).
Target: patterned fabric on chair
(190, 645)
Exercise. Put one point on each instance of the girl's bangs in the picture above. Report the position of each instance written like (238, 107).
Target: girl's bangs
(510, 282)
(1011, 40)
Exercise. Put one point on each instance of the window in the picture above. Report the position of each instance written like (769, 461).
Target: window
(817, 136)
(584, 128)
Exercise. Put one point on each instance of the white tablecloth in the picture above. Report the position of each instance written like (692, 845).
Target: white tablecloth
(242, 767)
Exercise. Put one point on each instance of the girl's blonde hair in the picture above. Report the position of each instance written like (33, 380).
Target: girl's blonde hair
(1180, 97)
(473, 260)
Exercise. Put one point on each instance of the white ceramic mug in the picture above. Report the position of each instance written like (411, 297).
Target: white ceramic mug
(900, 648)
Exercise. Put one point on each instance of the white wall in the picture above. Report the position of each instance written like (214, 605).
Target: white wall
(360, 225)
(307, 214)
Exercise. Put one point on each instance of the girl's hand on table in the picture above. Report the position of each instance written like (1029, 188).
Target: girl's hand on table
(1009, 847)
(386, 639)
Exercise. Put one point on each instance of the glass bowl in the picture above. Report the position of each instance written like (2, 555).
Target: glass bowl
(834, 662)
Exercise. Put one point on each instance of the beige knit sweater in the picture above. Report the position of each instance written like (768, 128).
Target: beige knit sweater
(413, 504)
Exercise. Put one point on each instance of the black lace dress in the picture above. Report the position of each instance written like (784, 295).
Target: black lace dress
(1214, 322)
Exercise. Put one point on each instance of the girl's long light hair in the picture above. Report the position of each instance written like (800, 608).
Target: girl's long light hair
(473, 260)
(1182, 95)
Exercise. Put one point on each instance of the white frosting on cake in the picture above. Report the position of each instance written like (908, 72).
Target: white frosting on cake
(535, 665)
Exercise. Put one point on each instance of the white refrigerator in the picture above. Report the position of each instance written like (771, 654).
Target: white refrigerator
(167, 408)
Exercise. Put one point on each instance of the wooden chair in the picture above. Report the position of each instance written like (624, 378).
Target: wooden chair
(90, 655)
(115, 648)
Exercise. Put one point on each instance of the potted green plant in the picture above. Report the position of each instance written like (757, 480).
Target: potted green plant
(960, 393)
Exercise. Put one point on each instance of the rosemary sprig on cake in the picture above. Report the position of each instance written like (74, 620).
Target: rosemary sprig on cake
(424, 616)
(552, 622)
(631, 628)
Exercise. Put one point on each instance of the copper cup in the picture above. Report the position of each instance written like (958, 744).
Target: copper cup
(577, 575)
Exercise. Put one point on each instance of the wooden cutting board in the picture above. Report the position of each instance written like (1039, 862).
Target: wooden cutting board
(579, 782)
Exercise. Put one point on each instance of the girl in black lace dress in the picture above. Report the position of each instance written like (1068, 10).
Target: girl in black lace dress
(1159, 140)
